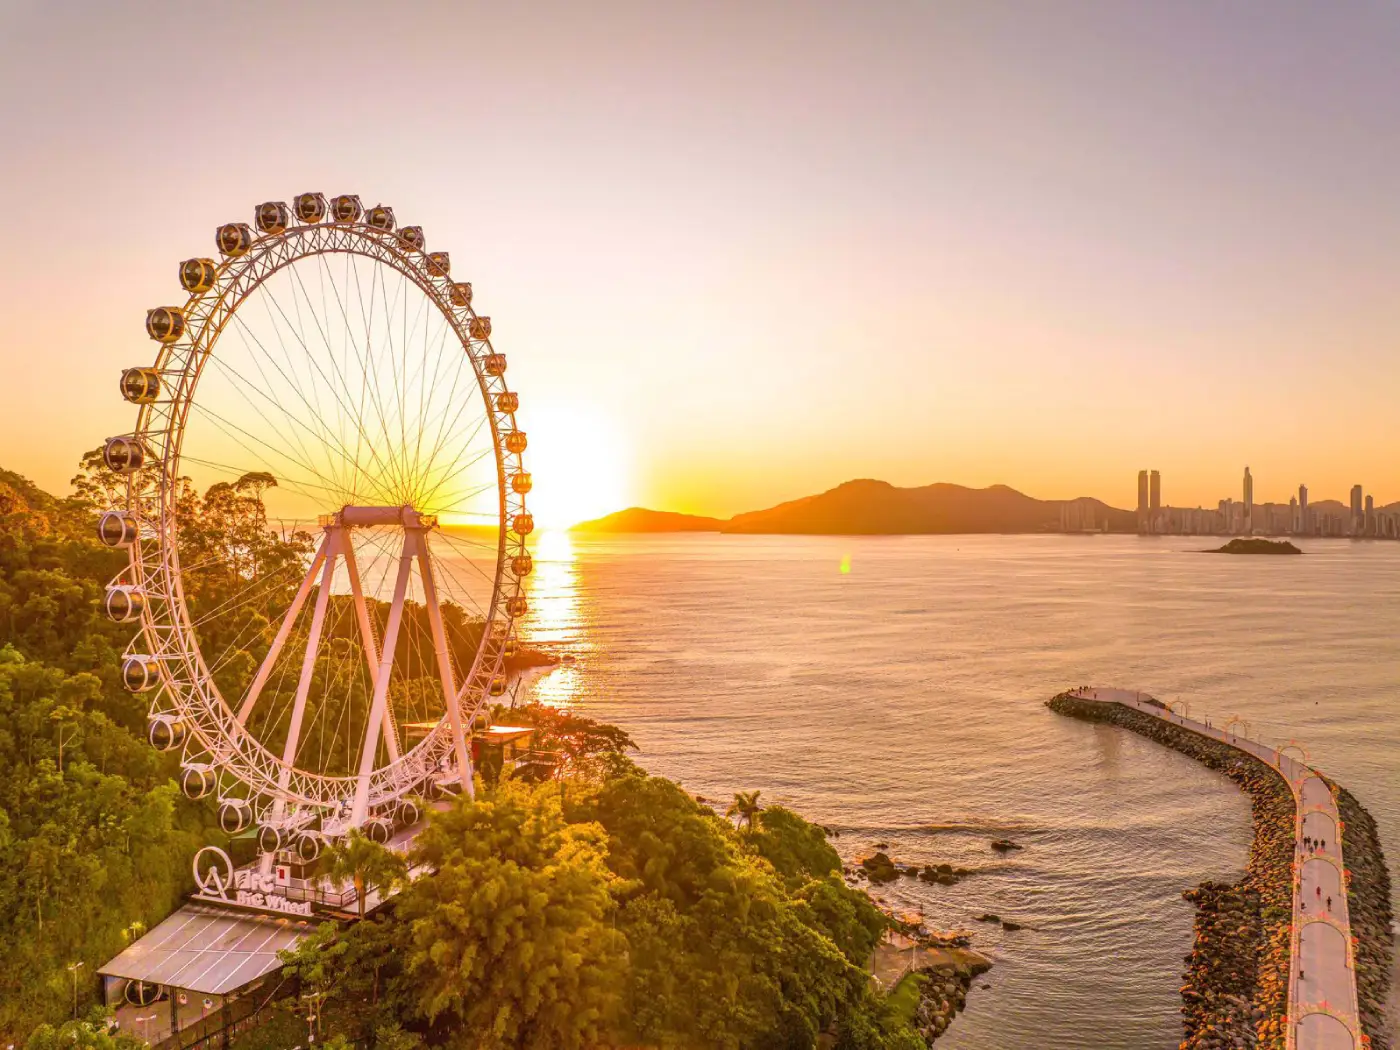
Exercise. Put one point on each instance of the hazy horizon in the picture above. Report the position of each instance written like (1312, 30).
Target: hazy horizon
(1313, 499)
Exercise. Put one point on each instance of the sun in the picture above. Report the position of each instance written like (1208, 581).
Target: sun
(579, 463)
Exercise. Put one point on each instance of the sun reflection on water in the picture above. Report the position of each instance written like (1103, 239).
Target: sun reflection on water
(555, 620)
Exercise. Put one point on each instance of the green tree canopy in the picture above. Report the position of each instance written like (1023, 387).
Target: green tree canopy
(512, 937)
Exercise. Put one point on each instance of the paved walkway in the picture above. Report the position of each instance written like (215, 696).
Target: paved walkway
(1322, 1004)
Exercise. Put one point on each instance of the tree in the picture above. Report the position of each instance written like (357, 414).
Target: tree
(744, 807)
(512, 939)
(317, 963)
(366, 863)
(795, 847)
(721, 955)
(84, 1035)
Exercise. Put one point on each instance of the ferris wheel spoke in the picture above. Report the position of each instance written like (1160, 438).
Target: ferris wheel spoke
(241, 386)
(328, 442)
(460, 594)
(389, 313)
(465, 558)
(365, 385)
(356, 412)
(460, 497)
(299, 423)
(342, 384)
(368, 357)
(287, 372)
(425, 385)
(448, 422)
(301, 487)
(334, 385)
(256, 589)
(233, 430)
(403, 353)
(478, 423)
(270, 300)
(455, 500)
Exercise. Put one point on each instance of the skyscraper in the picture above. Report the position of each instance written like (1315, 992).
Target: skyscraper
(1304, 526)
(1142, 501)
(1154, 501)
(1358, 519)
(1248, 502)
(1370, 529)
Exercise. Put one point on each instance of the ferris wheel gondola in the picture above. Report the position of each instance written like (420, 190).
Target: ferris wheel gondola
(332, 389)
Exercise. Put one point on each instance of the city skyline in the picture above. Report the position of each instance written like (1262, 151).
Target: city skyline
(1359, 517)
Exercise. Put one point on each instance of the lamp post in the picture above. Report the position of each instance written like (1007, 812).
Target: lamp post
(73, 968)
(143, 1022)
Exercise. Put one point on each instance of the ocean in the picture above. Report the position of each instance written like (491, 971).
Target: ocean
(892, 689)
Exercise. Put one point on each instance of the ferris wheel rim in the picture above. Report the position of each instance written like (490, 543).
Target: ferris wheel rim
(231, 747)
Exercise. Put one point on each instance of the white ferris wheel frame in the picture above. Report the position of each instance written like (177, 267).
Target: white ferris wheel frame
(216, 735)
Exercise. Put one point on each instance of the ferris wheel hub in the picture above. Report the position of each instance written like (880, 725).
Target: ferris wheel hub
(405, 516)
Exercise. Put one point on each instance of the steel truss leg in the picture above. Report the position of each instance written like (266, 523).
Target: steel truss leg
(352, 568)
(360, 809)
(444, 662)
(288, 622)
(330, 548)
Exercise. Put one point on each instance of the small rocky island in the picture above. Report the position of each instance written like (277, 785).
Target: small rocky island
(1240, 545)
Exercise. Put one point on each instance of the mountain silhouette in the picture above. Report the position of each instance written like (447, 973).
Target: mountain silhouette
(870, 507)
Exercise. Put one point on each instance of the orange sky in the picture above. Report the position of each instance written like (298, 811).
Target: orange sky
(745, 252)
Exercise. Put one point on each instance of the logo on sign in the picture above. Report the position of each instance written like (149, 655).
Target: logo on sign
(213, 873)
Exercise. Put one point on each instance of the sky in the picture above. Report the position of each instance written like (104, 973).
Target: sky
(740, 253)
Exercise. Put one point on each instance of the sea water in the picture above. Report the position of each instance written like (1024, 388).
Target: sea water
(892, 689)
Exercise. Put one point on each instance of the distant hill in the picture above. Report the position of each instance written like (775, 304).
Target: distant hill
(868, 507)
(873, 508)
(639, 519)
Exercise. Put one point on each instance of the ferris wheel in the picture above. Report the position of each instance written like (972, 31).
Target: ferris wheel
(325, 518)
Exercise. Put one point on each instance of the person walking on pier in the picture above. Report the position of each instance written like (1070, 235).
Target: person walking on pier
(1329, 905)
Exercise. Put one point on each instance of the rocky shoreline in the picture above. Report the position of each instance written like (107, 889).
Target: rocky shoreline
(944, 993)
(1236, 990)
(1368, 903)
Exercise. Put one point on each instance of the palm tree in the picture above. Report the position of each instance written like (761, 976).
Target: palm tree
(366, 863)
(745, 806)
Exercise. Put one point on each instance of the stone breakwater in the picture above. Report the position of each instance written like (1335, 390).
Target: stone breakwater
(943, 993)
(1368, 903)
(1236, 990)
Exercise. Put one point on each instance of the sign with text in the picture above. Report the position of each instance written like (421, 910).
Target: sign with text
(218, 882)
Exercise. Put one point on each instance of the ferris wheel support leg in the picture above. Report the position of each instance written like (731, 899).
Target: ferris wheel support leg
(444, 662)
(329, 549)
(360, 809)
(352, 569)
(288, 622)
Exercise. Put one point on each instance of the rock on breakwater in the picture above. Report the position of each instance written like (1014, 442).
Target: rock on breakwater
(1368, 905)
(943, 992)
(1236, 990)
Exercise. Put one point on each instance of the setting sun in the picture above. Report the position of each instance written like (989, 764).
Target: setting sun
(580, 464)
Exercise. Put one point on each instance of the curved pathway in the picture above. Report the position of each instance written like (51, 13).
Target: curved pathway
(1322, 1006)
